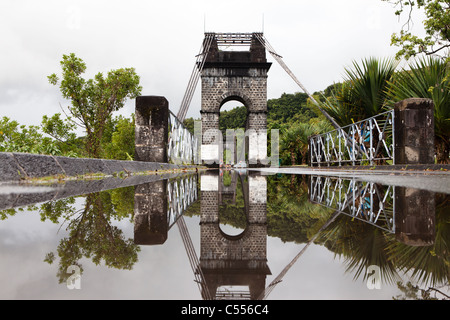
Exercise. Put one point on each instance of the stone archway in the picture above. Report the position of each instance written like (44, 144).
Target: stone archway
(233, 115)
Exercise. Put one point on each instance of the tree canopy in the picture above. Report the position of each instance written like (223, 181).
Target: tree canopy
(436, 25)
(93, 101)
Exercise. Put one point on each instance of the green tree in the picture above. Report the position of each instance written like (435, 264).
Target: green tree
(436, 25)
(93, 101)
(288, 106)
(294, 142)
(91, 231)
(189, 123)
(62, 131)
(413, 292)
(120, 143)
(233, 119)
(363, 93)
(20, 138)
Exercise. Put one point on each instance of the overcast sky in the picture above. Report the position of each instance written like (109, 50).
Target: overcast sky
(317, 39)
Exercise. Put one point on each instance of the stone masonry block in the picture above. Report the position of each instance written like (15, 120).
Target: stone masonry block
(414, 131)
(152, 128)
(37, 166)
(9, 168)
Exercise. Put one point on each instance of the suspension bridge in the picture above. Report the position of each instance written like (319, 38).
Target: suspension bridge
(225, 77)
(241, 75)
(228, 40)
(234, 75)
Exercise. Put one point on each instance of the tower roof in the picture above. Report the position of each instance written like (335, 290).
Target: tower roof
(250, 49)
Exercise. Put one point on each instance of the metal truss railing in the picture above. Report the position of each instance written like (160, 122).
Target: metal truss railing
(182, 147)
(181, 193)
(368, 141)
(366, 201)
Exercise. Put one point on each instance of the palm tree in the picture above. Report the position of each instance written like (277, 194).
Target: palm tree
(428, 77)
(290, 140)
(363, 92)
(295, 140)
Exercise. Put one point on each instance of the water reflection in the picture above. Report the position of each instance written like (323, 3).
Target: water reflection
(89, 230)
(91, 233)
(225, 260)
(403, 231)
(158, 205)
(366, 224)
(228, 261)
(399, 229)
(407, 212)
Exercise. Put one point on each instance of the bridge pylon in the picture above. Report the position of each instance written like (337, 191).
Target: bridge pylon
(239, 75)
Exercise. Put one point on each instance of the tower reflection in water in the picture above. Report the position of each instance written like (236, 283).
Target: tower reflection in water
(226, 261)
(234, 260)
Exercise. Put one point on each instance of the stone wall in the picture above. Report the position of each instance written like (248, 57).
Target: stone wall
(220, 85)
(19, 166)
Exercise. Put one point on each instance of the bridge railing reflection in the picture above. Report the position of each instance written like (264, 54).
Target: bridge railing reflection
(408, 213)
(362, 200)
(181, 194)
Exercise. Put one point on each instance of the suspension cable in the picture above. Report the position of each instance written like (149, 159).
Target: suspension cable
(280, 277)
(279, 59)
(193, 259)
(195, 75)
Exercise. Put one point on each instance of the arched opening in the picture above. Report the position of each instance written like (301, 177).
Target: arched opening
(232, 124)
(233, 219)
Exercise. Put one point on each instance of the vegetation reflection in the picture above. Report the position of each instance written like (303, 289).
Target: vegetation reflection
(357, 243)
(91, 233)
(90, 230)
(291, 217)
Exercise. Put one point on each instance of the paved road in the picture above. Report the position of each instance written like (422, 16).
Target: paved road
(434, 180)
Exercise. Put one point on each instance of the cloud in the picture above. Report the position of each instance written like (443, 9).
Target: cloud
(161, 39)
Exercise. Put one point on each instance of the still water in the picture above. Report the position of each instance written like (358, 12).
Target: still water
(222, 235)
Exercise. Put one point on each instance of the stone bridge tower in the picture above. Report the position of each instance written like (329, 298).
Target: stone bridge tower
(240, 76)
